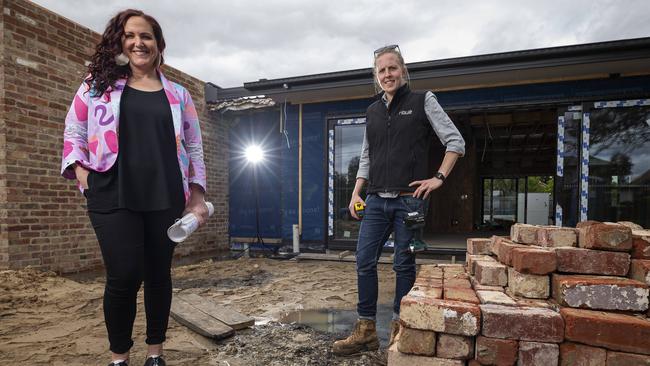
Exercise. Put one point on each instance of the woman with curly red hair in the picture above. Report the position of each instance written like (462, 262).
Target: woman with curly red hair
(132, 141)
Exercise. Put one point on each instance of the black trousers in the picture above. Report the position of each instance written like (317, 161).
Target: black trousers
(135, 249)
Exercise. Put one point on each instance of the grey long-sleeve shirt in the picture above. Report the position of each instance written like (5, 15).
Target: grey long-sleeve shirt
(442, 126)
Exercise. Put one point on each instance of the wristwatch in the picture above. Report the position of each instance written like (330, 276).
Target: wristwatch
(439, 176)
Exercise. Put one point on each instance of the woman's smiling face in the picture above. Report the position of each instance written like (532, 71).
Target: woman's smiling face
(139, 44)
(390, 74)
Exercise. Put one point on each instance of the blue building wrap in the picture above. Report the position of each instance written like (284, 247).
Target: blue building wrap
(256, 128)
(289, 174)
(278, 175)
(619, 88)
(314, 165)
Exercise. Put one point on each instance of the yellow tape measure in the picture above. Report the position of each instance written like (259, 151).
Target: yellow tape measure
(359, 208)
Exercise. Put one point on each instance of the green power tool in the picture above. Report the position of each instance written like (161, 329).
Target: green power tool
(417, 245)
(414, 221)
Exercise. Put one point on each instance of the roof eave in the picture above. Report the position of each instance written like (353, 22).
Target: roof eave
(488, 63)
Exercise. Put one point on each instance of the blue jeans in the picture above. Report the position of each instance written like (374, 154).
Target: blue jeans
(383, 216)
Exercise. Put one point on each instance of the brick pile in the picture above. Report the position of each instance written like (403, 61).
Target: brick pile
(546, 296)
(440, 319)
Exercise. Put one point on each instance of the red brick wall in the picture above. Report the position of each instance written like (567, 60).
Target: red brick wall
(43, 63)
(4, 255)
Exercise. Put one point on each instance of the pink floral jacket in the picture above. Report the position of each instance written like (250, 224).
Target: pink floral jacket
(91, 132)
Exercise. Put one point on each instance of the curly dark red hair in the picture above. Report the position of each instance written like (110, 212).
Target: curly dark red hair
(103, 70)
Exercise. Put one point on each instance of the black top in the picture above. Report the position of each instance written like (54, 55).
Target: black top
(398, 142)
(146, 175)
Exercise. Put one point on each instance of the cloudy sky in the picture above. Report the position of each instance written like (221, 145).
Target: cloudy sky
(232, 42)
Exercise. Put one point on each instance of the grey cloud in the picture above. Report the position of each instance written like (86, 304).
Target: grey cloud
(232, 42)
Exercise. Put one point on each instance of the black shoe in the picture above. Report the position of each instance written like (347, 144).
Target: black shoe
(123, 363)
(155, 361)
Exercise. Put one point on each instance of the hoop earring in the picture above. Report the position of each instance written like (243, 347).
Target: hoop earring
(121, 59)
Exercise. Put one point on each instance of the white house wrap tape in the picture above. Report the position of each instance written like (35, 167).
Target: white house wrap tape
(584, 169)
(560, 164)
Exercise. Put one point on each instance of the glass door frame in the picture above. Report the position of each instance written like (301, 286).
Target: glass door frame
(518, 188)
(561, 213)
(583, 140)
(332, 122)
(491, 179)
(588, 108)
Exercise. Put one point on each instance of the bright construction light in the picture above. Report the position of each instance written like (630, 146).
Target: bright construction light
(254, 154)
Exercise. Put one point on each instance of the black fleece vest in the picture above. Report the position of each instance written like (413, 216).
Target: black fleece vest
(398, 139)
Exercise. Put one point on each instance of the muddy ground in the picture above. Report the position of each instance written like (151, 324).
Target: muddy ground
(46, 319)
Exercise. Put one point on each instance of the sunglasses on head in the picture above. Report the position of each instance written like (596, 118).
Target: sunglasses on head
(392, 47)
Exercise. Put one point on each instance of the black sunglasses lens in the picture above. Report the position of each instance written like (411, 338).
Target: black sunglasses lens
(392, 47)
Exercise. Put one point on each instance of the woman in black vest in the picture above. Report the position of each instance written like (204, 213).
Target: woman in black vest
(400, 126)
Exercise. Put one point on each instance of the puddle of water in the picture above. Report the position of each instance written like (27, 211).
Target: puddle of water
(340, 321)
(262, 320)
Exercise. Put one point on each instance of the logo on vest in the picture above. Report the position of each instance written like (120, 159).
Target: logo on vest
(406, 113)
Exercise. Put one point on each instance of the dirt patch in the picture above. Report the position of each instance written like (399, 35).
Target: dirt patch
(255, 278)
(278, 344)
(51, 320)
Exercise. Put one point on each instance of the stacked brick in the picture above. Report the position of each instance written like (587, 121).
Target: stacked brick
(543, 296)
(520, 326)
(571, 297)
(440, 318)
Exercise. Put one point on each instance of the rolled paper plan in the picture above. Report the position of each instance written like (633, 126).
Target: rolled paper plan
(185, 226)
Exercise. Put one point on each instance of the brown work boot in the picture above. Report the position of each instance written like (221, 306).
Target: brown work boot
(362, 338)
(394, 330)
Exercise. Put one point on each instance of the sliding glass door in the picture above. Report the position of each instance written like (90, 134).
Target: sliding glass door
(345, 140)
